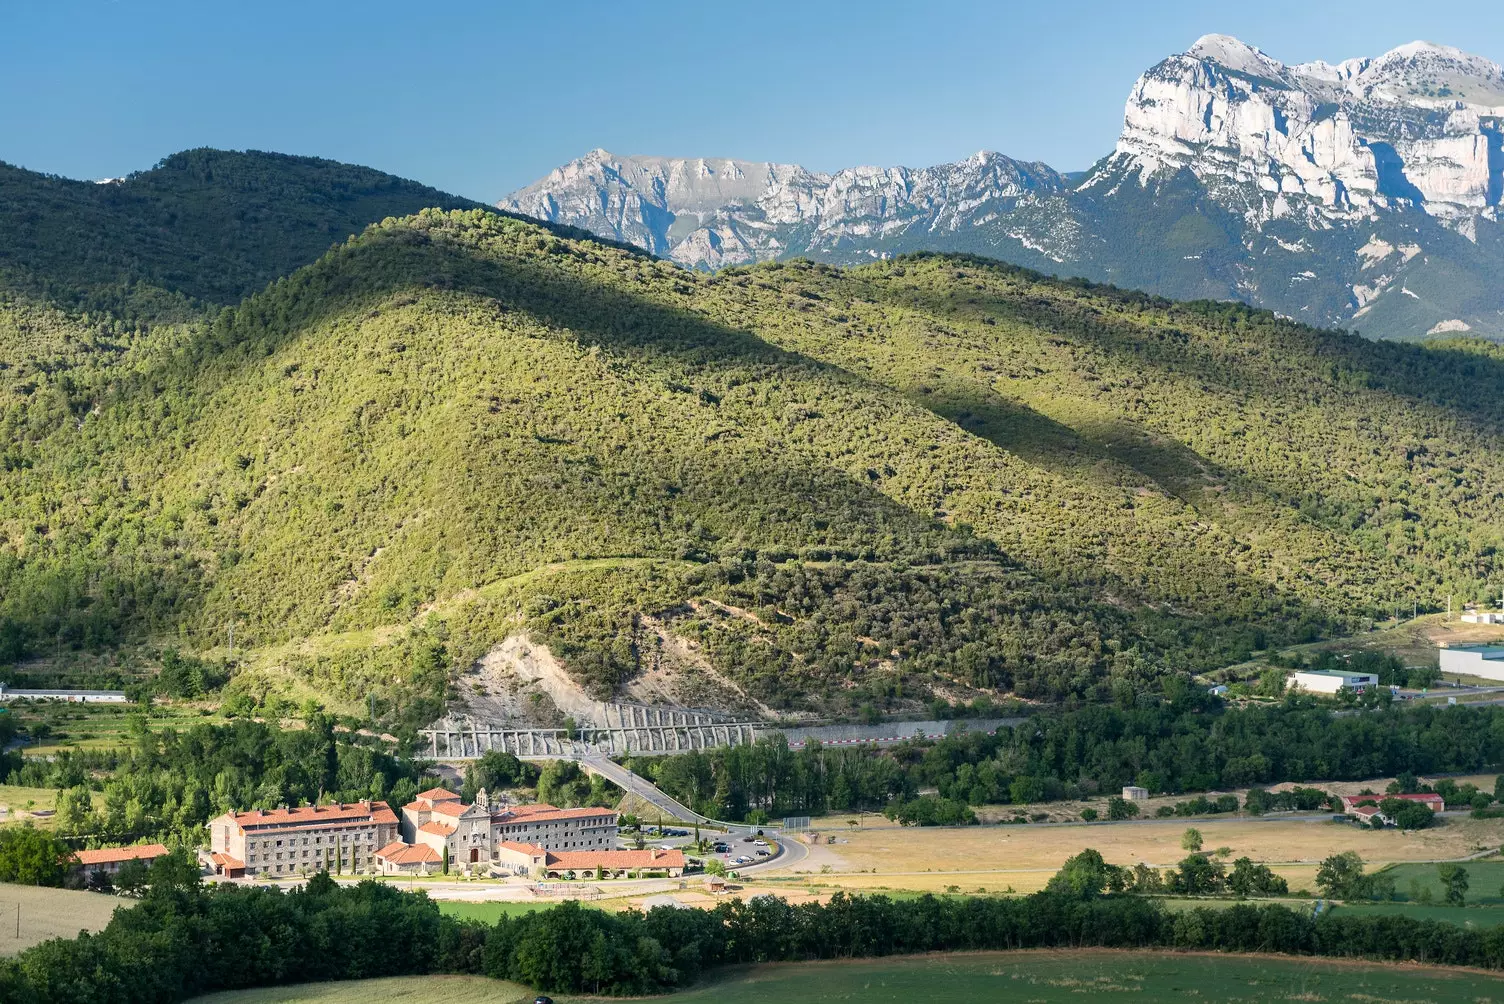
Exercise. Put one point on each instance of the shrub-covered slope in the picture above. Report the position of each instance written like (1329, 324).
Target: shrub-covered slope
(843, 486)
(204, 225)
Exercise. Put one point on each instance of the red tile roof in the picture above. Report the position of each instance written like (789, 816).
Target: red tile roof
(438, 795)
(528, 810)
(513, 845)
(1426, 798)
(434, 826)
(541, 813)
(113, 855)
(451, 808)
(344, 812)
(399, 853)
(650, 858)
(226, 862)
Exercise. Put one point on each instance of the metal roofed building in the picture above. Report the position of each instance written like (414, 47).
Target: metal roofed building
(1486, 661)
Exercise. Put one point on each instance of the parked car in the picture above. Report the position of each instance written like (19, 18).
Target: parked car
(721, 847)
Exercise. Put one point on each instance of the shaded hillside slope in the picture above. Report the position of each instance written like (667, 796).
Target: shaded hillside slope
(925, 473)
(211, 226)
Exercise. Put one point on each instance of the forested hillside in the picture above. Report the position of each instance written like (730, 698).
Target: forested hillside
(843, 486)
(211, 226)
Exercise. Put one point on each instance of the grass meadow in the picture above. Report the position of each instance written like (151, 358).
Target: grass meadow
(1039, 977)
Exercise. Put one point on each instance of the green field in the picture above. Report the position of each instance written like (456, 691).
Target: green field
(1485, 882)
(1466, 916)
(1038, 977)
(488, 913)
(103, 726)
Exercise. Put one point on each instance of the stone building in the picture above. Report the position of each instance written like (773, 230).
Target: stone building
(284, 842)
(440, 819)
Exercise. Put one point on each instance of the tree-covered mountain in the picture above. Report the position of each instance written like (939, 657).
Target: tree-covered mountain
(203, 226)
(1363, 195)
(834, 487)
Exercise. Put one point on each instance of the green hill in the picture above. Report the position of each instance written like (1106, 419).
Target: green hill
(211, 226)
(842, 486)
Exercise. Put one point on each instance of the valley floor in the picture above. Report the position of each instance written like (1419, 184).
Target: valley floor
(878, 854)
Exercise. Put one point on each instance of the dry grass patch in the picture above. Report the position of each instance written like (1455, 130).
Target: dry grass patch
(1025, 856)
(51, 913)
(424, 989)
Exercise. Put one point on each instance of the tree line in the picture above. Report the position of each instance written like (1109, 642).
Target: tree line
(1178, 740)
(183, 939)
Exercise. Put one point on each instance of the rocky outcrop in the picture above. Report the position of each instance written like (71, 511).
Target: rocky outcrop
(1418, 125)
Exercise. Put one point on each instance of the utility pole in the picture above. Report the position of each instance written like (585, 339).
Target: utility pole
(1449, 608)
(232, 641)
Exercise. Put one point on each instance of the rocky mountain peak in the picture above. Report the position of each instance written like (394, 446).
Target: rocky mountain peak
(1235, 54)
(1365, 193)
(1415, 126)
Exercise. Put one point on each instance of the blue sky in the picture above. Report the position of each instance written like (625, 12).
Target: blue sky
(480, 98)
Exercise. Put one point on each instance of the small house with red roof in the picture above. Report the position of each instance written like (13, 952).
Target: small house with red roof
(397, 858)
(538, 863)
(1365, 808)
(109, 859)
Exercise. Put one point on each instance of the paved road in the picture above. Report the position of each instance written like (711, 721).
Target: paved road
(790, 851)
(641, 787)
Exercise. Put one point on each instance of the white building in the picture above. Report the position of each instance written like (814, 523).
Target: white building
(1133, 793)
(1486, 661)
(72, 696)
(1326, 681)
(1483, 617)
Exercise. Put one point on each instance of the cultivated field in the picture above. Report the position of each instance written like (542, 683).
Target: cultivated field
(18, 803)
(396, 990)
(51, 913)
(104, 726)
(1040, 977)
(1050, 977)
(880, 854)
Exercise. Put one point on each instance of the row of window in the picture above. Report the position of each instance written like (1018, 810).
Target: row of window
(277, 869)
(349, 837)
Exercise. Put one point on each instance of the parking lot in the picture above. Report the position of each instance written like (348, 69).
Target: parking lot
(734, 850)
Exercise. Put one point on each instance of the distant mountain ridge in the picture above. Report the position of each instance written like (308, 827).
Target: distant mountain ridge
(1364, 194)
(708, 213)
